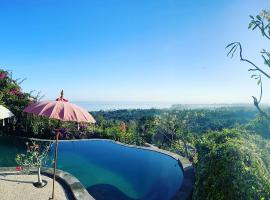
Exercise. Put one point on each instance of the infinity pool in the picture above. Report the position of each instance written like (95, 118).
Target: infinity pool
(109, 170)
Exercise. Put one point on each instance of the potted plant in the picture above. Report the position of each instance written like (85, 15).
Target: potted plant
(35, 157)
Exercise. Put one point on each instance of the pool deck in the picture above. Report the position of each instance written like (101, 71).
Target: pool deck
(17, 183)
(17, 186)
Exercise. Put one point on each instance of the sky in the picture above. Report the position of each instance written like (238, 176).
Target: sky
(125, 50)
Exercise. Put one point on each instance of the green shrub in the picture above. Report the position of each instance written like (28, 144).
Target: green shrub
(15, 99)
(230, 167)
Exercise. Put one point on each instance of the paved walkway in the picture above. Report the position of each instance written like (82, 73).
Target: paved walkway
(15, 186)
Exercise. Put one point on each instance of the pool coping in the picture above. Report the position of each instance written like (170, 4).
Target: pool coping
(186, 189)
(77, 190)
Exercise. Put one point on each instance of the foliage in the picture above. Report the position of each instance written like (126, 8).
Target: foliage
(230, 167)
(235, 163)
(127, 114)
(262, 22)
(12, 97)
(260, 125)
(146, 128)
(263, 148)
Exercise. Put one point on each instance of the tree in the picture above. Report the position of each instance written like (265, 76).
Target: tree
(183, 131)
(167, 127)
(146, 128)
(261, 22)
(174, 127)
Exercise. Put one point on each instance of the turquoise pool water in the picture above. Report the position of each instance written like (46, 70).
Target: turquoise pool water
(109, 170)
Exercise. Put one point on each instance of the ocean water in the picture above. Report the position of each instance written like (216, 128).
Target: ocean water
(116, 105)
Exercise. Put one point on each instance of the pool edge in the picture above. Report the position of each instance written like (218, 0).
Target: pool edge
(186, 189)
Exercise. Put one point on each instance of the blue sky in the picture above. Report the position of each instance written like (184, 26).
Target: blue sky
(154, 50)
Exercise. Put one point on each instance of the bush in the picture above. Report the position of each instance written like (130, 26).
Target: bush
(230, 167)
(13, 97)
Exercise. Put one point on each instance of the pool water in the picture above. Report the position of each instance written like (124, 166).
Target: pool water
(109, 170)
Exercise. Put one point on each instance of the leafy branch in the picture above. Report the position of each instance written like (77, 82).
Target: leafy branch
(262, 22)
(266, 56)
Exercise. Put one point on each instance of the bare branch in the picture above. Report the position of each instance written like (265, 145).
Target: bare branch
(238, 44)
(246, 60)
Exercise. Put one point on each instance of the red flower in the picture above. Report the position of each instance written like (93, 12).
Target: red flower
(123, 127)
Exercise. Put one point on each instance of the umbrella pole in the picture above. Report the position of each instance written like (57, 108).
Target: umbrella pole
(55, 159)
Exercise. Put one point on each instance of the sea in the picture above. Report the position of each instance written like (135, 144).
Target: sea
(118, 105)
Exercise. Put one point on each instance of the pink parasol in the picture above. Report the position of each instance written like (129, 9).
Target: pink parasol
(62, 110)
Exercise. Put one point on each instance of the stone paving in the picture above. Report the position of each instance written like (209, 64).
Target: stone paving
(17, 186)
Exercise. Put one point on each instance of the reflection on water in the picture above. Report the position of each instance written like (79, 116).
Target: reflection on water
(105, 192)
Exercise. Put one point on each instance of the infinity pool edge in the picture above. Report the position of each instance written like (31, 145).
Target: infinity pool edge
(184, 192)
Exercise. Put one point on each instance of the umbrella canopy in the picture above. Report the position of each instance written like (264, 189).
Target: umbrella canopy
(5, 113)
(60, 109)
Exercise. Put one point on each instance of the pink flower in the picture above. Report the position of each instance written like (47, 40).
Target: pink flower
(15, 91)
(2, 76)
(19, 168)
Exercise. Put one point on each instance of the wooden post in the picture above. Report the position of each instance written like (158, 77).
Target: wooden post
(55, 159)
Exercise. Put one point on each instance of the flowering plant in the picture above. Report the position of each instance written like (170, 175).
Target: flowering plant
(3, 75)
(35, 156)
(14, 91)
